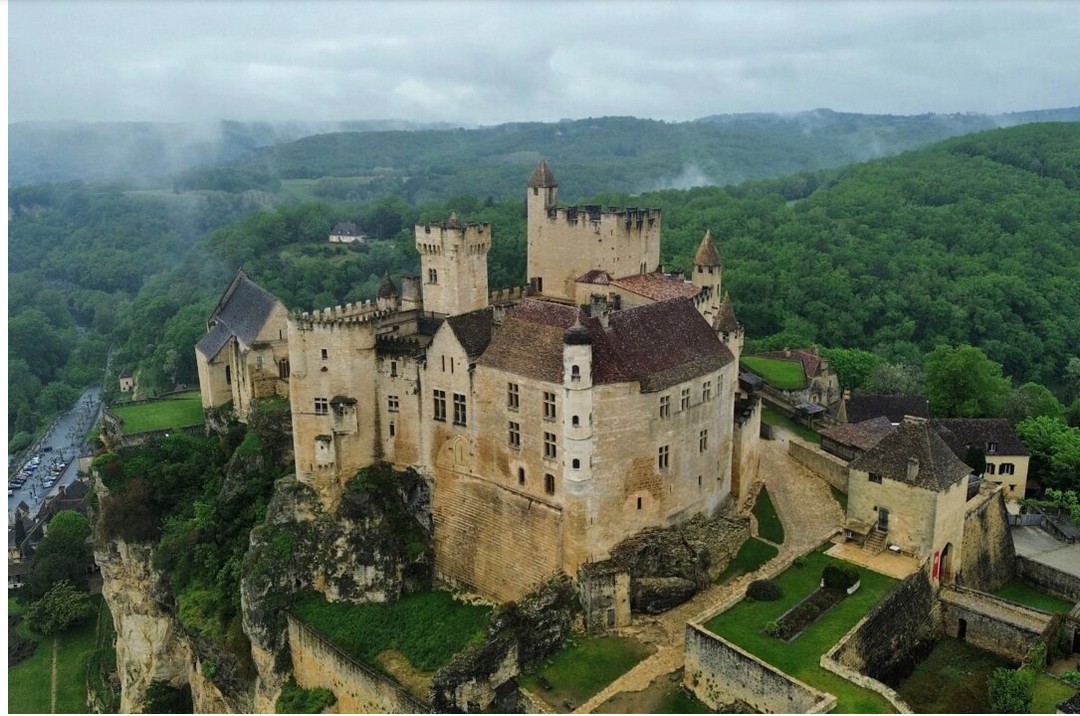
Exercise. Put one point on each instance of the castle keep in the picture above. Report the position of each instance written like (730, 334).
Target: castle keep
(554, 420)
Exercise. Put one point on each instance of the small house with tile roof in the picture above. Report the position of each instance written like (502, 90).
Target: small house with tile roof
(1006, 456)
(908, 493)
(127, 382)
(849, 440)
(867, 406)
(346, 232)
(244, 354)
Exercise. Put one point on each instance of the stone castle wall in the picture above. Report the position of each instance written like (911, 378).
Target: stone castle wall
(988, 558)
(719, 673)
(1049, 579)
(1004, 628)
(833, 470)
(745, 453)
(359, 688)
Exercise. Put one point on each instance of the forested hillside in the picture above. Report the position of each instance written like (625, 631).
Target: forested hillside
(975, 240)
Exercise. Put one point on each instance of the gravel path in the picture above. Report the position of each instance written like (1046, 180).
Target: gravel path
(810, 516)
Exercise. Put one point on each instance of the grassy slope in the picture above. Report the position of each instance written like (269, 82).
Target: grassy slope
(780, 374)
(1028, 595)
(769, 525)
(752, 555)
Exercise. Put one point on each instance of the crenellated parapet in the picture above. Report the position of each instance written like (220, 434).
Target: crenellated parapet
(593, 218)
(452, 235)
(508, 295)
(349, 313)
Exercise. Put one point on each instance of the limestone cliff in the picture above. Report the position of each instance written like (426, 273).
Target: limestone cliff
(150, 644)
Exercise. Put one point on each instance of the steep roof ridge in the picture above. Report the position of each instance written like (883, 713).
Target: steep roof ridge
(542, 177)
(707, 255)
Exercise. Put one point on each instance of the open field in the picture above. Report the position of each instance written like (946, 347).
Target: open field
(744, 625)
(178, 411)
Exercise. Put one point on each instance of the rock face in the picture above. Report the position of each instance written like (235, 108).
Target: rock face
(150, 645)
(374, 548)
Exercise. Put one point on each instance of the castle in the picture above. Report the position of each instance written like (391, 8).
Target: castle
(552, 421)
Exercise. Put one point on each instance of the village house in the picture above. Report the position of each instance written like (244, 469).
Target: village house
(553, 420)
(1006, 457)
(346, 232)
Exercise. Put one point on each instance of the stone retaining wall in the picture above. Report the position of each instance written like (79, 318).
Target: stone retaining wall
(1049, 579)
(833, 470)
(719, 673)
(1000, 627)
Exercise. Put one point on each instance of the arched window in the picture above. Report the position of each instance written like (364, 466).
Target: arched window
(576, 464)
(575, 373)
(575, 421)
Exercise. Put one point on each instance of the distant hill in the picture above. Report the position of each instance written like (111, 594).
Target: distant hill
(434, 162)
(148, 153)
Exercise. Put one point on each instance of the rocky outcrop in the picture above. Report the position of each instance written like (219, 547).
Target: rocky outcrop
(375, 547)
(150, 644)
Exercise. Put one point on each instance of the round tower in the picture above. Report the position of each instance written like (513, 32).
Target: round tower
(708, 269)
(577, 405)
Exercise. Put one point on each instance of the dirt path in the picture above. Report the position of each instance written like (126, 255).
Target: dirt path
(810, 515)
(52, 689)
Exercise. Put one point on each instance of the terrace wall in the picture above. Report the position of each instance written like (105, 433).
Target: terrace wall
(1049, 579)
(720, 673)
(1001, 627)
(833, 470)
(359, 688)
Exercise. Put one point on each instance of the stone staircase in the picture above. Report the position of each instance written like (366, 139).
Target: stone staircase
(876, 541)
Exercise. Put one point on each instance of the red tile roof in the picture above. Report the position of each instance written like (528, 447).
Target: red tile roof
(656, 286)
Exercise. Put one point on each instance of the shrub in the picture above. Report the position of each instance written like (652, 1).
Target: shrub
(1011, 692)
(839, 576)
(295, 700)
(164, 698)
(1072, 678)
(777, 630)
(764, 590)
(799, 561)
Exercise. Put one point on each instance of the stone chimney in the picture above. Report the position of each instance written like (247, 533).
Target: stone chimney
(912, 469)
(598, 308)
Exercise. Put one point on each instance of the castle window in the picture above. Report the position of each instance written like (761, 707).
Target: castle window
(324, 353)
(665, 406)
(512, 397)
(549, 484)
(549, 406)
(393, 369)
(322, 406)
(699, 481)
(440, 405)
(432, 276)
(459, 409)
(258, 362)
(515, 434)
(703, 441)
(1012, 488)
(575, 374)
(392, 430)
(684, 400)
(575, 421)
(706, 391)
(576, 464)
(1007, 468)
(521, 476)
(875, 477)
(639, 503)
(550, 451)
(283, 368)
(989, 468)
(228, 375)
(443, 363)
(663, 457)
(392, 403)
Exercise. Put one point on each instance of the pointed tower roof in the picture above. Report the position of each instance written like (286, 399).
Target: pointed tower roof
(387, 288)
(725, 318)
(542, 176)
(707, 254)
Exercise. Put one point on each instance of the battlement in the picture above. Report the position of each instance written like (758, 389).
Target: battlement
(435, 238)
(508, 295)
(350, 313)
(630, 217)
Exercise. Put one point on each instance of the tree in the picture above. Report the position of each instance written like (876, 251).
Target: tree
(852, 365)
(1072, 376)
(59, 608)
(1011, 691)
(62, 555)
(895, 379)
(962, 382)
(1055, 451)
(1030, 400)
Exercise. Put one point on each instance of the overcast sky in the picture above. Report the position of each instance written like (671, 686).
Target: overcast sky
(491, 62)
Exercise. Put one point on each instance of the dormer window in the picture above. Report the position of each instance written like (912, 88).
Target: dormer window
(991, 447)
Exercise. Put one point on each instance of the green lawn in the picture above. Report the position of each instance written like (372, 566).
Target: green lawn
(427, 628)
(744, 626)
(179, 411)
(951, 679)
(772, 417)
(30, 683)
(582, 669)
(1049, 692)
(779, 373)
(840, 497)
(752, 555)
(1024, 593)
(769, 526)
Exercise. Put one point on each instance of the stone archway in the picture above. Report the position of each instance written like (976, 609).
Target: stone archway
(945, 567)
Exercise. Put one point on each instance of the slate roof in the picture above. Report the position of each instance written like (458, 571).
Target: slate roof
(707, 255)
(658, 345)
(387, 288)
(725, 318)
(961, 432)
(241, 313)
(345, 228)
(473, 331)
(597, 276)
(656, 286)
(542, 176)
(939, 467)
(862, 435)
(894, 407)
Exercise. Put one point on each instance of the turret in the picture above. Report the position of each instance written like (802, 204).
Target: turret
(453, 265)
(388, 295)
(577, 404)
(708, 269)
